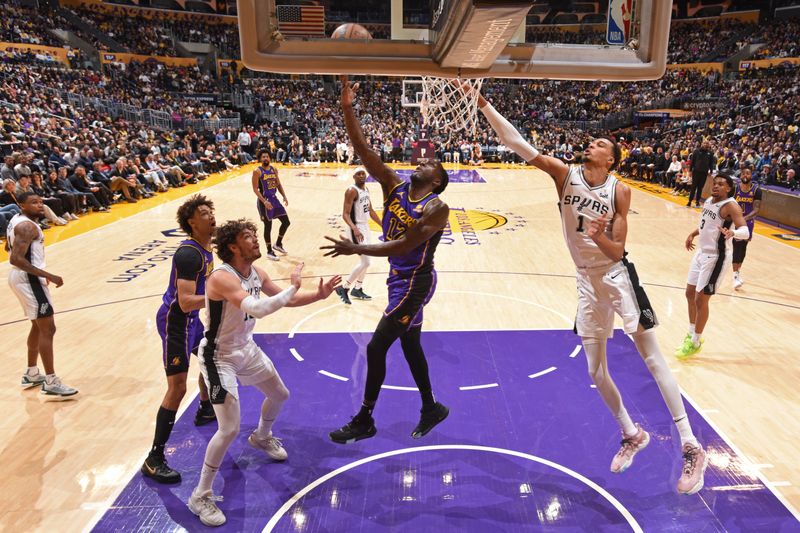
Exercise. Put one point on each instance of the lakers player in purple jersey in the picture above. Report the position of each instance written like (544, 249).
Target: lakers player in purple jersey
(180, 328)
(594, 206)
(748, 196)
(267, 185)
(413, 220)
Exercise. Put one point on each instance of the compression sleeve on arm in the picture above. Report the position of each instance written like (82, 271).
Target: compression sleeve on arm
(508, 134)
(742, 233)
(261, 307)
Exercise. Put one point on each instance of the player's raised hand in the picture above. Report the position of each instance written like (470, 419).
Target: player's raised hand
(341, 246)
(297, 275)
(597, 227)
(348, 91)
(325, 289)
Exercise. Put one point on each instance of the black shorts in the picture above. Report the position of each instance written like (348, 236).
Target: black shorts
(739, 250)
(180, 337)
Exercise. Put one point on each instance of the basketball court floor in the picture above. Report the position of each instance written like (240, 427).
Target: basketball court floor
(528, 443)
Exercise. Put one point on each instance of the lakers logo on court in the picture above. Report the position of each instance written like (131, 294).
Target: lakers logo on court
(464, 225)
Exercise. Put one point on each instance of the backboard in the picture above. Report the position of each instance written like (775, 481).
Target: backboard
(469, 39)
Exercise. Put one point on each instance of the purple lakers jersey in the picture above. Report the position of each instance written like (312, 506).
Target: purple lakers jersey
(400, 212)
(187, 264)
(746, 200)
(268, 182)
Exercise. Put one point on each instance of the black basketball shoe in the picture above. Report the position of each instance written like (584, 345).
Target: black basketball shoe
(156, 468)
(429, 419)
(204, 415)
(359, 294)
(342, 292)
(356, 429)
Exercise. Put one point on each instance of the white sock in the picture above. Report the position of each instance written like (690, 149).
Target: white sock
(264, 429)
(696, 338)
(691, 329)
(685, 430)
(32, 370)
(626, 424)
(358, 284)
(49, 378)
(207, 475)
(345, 285)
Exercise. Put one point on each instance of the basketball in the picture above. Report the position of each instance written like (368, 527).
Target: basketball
(351, 31)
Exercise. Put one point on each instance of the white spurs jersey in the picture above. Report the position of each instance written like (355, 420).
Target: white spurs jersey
(359, 211)
(36, 250)
(579, 205)
(712, 241)
(229, 328)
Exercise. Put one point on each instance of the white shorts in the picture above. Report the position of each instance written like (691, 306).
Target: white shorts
(605, 291)
(365, 231)
(707, 271)
(32, 293)
(249, 365)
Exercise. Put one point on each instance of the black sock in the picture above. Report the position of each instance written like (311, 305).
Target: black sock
(279, 242)
(427, 399)
(205, 404)
(366, 411)
(165, 419)
(269, 248)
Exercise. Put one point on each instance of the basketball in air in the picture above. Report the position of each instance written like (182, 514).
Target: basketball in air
(351, 31)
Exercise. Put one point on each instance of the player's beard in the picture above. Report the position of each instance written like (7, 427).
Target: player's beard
(416, 179)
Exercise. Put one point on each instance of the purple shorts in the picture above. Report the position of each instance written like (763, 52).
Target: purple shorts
(408, 294)
(277, 210)
(180, 336)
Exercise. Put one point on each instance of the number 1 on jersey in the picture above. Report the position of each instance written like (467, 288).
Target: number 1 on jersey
(580, 223)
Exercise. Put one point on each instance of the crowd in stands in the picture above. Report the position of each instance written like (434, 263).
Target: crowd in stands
(148, 36)
(782, 38)
(751, 120)
(144, 85)
(25, 25)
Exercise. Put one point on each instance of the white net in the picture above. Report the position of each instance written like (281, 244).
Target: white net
(450, 105)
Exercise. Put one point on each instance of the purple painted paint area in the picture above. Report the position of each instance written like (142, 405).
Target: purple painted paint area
(556, 417)
(456, 176)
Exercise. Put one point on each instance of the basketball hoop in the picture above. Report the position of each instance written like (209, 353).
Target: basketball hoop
(450, 105)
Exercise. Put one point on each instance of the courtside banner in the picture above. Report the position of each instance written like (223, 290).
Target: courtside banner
(620, 15)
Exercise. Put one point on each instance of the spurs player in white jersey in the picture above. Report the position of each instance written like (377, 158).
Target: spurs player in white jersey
(228, 353)
(356, 212)
(594, 208)
(29, 281)
(713, 257)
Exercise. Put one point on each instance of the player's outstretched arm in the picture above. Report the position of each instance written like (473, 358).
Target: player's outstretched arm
(324, 289)
(371, 159)
(434, 218)
(510, 137)
(223, 285)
